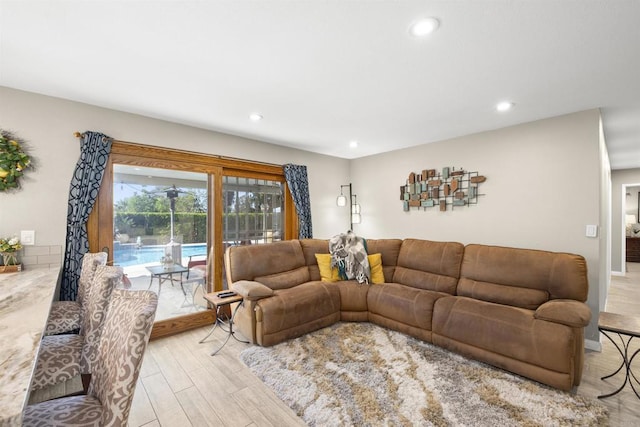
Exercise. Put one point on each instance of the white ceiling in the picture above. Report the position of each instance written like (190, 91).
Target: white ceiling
(324, 73)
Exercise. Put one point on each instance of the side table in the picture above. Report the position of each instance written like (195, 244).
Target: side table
(628, 326)
(164, 273)
(223, 320)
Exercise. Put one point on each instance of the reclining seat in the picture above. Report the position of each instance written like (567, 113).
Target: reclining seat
(353, 295)
(280, 299)
(520, 310)
(425, 272)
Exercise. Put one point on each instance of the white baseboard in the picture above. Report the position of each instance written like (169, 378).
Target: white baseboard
(593, 345)
(617, 273)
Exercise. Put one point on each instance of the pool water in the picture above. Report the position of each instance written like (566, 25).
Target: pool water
(131, 255)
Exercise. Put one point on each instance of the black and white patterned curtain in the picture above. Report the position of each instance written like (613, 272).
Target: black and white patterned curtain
(85, 184)
(298, 183)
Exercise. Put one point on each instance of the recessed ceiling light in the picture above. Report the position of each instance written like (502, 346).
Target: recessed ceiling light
(353, 144)
(255, 117)
(504, 106)
(424, 27)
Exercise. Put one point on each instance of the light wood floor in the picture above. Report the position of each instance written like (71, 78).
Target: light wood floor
(624, 408)
(182, 385)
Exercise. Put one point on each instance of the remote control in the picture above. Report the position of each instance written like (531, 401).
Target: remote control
(226, 294)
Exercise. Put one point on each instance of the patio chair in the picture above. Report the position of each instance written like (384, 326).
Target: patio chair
(197, 264)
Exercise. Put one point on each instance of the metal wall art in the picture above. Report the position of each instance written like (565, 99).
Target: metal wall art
(447, 188)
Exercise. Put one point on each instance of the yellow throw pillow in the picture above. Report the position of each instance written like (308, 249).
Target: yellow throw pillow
(375, 263)
(327, 274)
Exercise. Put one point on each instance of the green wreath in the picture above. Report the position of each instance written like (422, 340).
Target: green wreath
(13, 161)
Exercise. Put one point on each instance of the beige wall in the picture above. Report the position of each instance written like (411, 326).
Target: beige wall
(543, 178)
(542, 189)
(619, 180)
(49, 123)
(605, 229)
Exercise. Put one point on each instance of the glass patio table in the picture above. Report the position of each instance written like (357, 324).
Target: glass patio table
(164, 273)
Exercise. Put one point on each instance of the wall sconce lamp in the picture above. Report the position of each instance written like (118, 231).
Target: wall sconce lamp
(355, 211)
(342, 199)
(354, 207)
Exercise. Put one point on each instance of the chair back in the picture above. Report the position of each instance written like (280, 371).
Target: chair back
(195, 260)
(90, 261)
(199, 263)
(94, 311)
(124, 339)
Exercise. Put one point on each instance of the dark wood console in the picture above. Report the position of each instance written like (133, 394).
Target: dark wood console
(633, 249)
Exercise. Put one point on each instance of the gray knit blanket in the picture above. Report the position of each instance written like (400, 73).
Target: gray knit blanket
(349, 254)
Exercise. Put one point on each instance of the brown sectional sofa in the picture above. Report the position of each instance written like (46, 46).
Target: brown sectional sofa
(518, 309)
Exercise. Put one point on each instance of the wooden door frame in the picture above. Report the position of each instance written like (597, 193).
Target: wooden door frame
(100, 223)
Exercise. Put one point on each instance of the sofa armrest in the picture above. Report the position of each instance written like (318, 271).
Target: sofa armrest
(251, 290)
(568, 312)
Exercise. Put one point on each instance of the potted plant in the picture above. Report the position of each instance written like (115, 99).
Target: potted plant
(8, 249)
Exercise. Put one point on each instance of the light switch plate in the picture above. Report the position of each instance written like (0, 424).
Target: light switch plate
(28, 237)
(592, 231)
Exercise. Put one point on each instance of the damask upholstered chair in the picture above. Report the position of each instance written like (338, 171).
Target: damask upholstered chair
(65, 316)
(63, 357)
(122, 345)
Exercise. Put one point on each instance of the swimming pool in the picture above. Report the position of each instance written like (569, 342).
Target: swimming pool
(128, 255)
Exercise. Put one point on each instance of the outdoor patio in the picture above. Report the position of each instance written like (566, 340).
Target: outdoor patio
(172, 302)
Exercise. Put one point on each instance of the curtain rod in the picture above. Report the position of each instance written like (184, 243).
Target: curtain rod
(79, 135)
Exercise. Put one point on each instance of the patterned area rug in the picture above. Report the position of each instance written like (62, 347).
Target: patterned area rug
(364, 375)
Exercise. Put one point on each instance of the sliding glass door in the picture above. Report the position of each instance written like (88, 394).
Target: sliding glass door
(253, 211)
(167, 216)
(160, 234)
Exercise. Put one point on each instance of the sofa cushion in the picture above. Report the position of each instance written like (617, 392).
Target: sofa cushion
(559, 275)
(424, 280)
(306, 303)
(404, 304)
(353, 295)
(251, 261)
(327, 274)
(500, 294)
(375, 264)
(429, 265)
(509, 331)
(388, 248)
(286, 279)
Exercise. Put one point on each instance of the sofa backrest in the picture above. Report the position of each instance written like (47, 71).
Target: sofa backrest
(389, 249)
(280, 266)
(311, 247)
(425, 264)
(524, 278)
